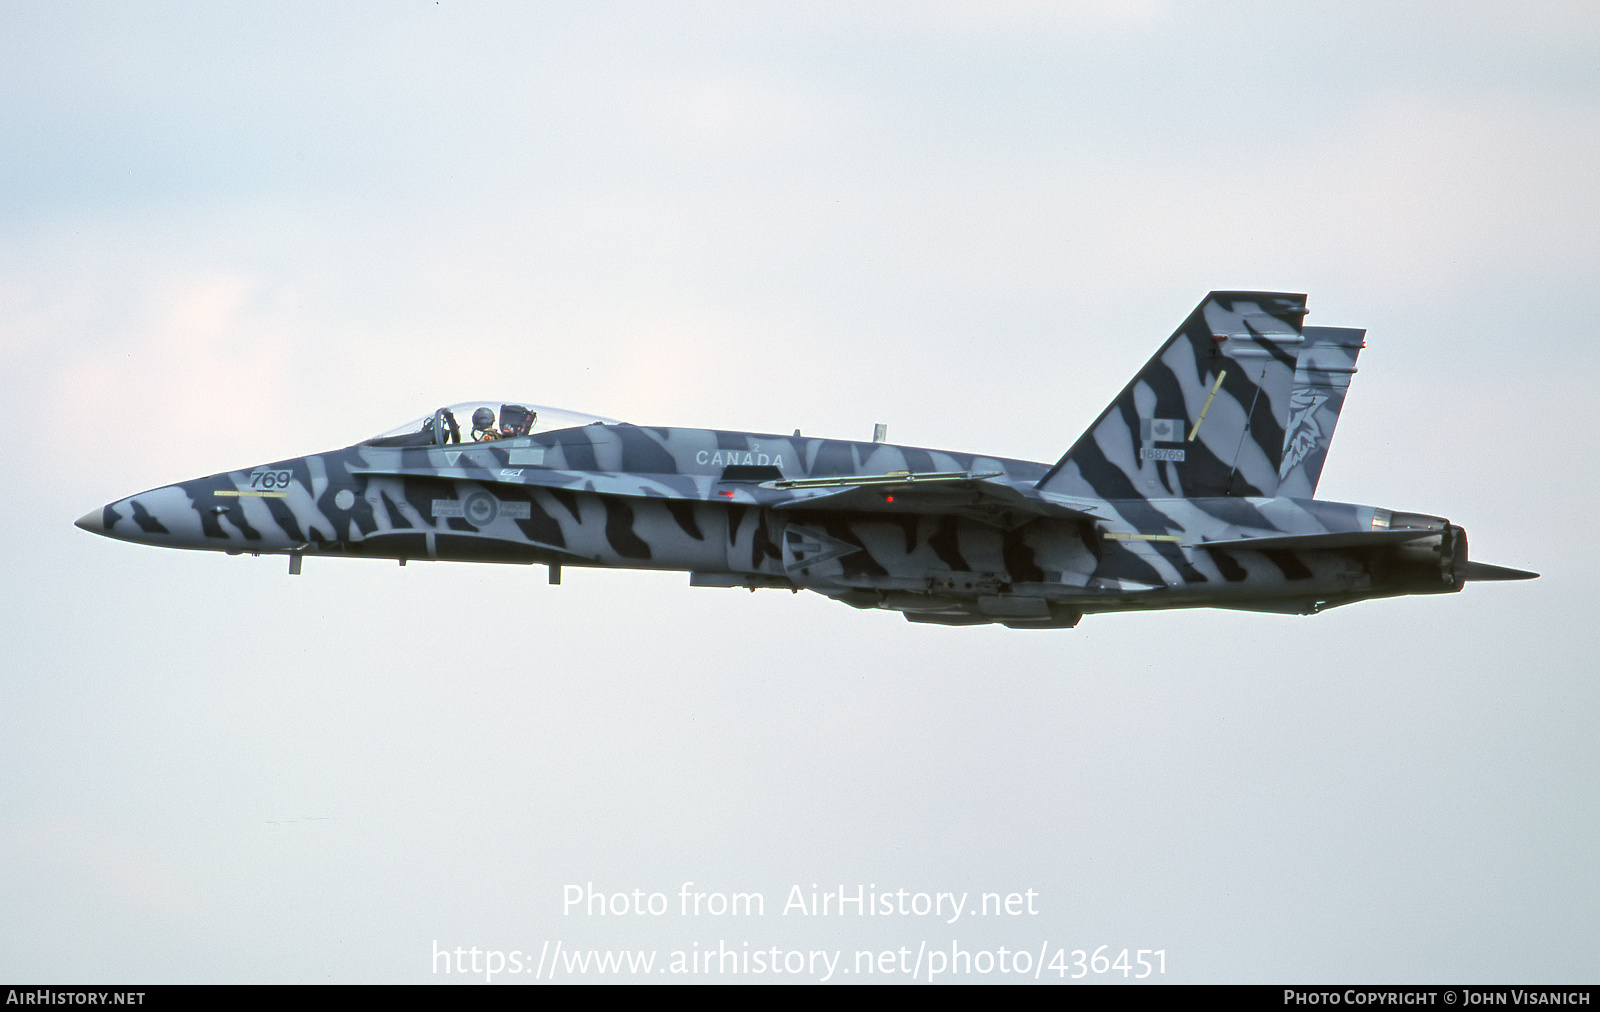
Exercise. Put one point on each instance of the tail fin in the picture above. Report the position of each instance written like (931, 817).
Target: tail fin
(1321, 377)
(1205, 416)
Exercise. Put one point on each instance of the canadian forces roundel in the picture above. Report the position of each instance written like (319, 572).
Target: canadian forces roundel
(481, 509)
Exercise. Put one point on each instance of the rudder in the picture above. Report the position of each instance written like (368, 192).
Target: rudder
(1322, 374)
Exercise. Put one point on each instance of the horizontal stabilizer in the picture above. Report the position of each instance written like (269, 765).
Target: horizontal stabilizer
(1319, 542)
(1485, 572)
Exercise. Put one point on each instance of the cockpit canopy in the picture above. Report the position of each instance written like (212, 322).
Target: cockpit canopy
(483, 421)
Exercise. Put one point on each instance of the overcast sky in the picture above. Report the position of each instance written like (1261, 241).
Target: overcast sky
(231, 234)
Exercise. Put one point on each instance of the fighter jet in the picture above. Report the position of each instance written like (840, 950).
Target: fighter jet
(1194, 488)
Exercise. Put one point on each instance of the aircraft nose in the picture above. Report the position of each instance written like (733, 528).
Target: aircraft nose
(93, 521)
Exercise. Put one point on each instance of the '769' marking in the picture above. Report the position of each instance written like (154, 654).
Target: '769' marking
(263, 485)
(268, 480)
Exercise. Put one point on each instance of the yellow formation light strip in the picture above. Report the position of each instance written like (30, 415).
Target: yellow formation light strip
(1213, 396)
(254, 495)
(1124, 536)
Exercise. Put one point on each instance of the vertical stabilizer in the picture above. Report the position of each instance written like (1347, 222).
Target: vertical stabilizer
(1321, 378)
(1205, 417)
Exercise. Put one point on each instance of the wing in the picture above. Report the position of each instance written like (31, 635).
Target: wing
(968, 494)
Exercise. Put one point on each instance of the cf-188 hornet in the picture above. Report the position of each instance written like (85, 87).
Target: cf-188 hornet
(1194, 488)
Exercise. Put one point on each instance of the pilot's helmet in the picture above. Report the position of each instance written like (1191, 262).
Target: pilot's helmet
(483, 418)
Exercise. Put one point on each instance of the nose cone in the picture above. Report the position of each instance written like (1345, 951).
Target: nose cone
(93, 521)
(140, 518)
(208, 513)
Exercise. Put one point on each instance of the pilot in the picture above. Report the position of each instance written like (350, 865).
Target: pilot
(483, 428)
